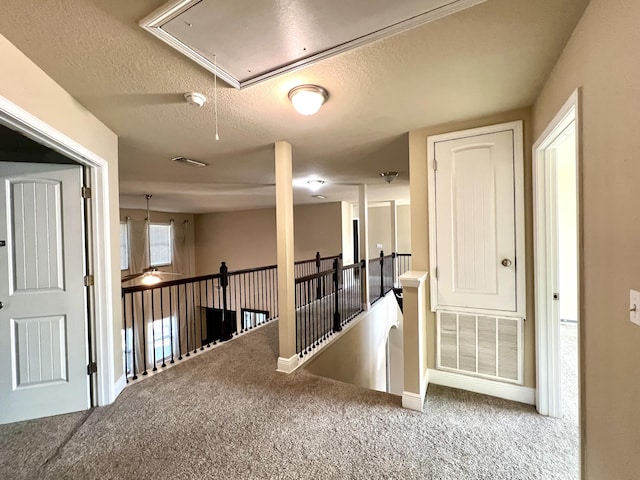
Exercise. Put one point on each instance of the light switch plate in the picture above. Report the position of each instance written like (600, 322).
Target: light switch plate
(634, 306)
(379, 246)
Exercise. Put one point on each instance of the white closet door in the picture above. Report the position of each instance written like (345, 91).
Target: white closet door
(475, 222)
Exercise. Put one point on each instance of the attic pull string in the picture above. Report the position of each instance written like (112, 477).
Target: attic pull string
(215, 93)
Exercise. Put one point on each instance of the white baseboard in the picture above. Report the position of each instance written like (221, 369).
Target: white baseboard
(288, 365)
(118, 387)
(507, 391)
(412, 401)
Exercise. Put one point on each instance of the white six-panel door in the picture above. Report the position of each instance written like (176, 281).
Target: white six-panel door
(43, 328)
(476, 221)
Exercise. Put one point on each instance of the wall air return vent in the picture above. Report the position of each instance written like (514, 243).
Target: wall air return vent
(254, 41)
(480, 345)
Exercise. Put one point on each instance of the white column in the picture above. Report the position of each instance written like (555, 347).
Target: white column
(288, 357)
(394, 227)
(363, 225)
(414, 331)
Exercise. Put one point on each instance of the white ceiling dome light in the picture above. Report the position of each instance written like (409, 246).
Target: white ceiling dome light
(307, 99)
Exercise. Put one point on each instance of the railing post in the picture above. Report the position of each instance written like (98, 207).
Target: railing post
(381, 274)
(336, 283)
(394, 268)
(319, 282)
(224, 282)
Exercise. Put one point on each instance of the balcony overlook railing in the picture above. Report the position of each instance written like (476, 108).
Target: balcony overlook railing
(170, 321)
(325, 302)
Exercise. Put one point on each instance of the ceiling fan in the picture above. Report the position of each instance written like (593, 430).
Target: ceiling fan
(150, 275)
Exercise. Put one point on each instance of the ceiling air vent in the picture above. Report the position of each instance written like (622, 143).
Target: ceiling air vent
(189, 161)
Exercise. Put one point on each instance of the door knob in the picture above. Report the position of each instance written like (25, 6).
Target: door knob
(1, 305)
(506, 262)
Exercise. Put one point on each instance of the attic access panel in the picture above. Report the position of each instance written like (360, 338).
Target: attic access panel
(257, 40)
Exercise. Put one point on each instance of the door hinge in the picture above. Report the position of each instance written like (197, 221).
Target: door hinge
(92, 368)
(435, 165)
(86, 192)
(88, 280)
(436, 273)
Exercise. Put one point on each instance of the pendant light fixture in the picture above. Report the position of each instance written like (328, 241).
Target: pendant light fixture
(150, 275)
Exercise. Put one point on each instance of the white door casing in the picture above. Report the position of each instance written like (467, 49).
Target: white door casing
(43, 326)
(476, 220)
(548, 360)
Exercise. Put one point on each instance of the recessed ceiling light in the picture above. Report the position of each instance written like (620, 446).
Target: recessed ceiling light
(321, 197)
(189, 161)
(307, 99)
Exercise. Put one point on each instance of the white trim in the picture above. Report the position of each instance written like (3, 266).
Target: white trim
(120, 385)
(34, 128)
(519, 211)
(412, 401)
(548, 395)
(154, 22)
(412, 279)
(507, 391)
(288, 365)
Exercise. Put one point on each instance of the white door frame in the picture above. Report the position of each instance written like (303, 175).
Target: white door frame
(108, 386)
(548, 394)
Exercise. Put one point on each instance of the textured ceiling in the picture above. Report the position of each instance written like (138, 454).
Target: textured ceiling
(490, 58)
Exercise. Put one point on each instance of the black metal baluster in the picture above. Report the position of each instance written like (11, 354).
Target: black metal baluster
(193, 309)
(298, 329)
(171, 321)
(153, 331)
(186, 318)
(144, 335)
(162, 316)
(133, 339)
(124, 322)
(255, 301)
(218, 290)
(245, 304)
(224, 281)
(200, 315)
(205, 307)
(179, 318)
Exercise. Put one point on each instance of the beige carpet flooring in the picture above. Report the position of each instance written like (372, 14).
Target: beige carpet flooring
(227, 414)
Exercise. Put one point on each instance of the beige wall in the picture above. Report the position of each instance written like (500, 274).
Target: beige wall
(359, 356)
(247, 238)
(420, 222)
(24, 84)
(404, 228)
(602, 58)
(379, 230)
(317, 228)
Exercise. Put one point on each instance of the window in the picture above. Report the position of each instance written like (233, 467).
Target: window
(252, 318)
(160, 244)
(163, 334)
(124, 246)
